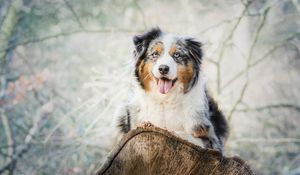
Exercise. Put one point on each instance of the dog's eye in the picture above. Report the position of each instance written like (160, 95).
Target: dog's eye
(155, 54)
(176, 55)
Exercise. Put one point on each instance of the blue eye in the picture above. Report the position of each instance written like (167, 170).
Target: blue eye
(155, 54)
(176, 55)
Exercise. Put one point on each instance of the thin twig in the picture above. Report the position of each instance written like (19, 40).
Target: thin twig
(224, 44)
(64, 34)
(255, 40)
(272, 106)
(8, 133)
(74, 14)
(239, 100)
(226, 21)
(255, 63)
(3, 86)
(5, 15)
(41, 114)
(268, 140)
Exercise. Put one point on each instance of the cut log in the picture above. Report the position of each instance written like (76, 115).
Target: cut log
(151, 150)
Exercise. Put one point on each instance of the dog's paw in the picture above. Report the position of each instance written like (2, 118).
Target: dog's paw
(145, 125)
(212, 143)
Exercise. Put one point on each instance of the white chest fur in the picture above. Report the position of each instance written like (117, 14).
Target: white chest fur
(162, 114)
(175, 112)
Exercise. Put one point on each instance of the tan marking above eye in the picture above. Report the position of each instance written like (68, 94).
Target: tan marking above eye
(158, 48)
(172, 50)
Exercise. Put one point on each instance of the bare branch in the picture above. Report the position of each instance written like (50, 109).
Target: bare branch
(65, 34)
(255, 40)
(3, 86)
(226, 21)
(74, 14)
(14, 159)
(5, 15)
(8, 133)
(224, 44)
(268, 140)
(239, 100)
(7, 28)
(219, 24)
(272, 106)
(212, 61)
(264, 57)
(42, 113)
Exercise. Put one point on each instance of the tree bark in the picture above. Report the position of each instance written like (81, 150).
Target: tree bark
(151, 150)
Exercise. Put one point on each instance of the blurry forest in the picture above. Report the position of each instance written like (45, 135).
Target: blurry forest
(65, 65)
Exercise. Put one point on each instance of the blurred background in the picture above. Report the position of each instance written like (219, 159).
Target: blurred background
(65, 65)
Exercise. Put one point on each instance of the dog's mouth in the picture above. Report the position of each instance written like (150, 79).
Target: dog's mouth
(165, 85)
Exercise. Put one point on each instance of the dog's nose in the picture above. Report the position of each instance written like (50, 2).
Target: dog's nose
(163, 69)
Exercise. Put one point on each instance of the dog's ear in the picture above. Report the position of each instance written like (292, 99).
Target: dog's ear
(141, 42)
(195, 53)
(195, 49)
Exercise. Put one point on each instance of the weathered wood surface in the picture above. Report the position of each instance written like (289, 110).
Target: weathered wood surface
(151, 151)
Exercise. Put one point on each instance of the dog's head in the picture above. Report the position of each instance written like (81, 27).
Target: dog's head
(164, 61)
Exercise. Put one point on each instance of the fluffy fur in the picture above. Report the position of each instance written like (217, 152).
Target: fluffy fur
(171, 91)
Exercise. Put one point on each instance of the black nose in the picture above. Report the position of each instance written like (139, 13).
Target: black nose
(163, 69)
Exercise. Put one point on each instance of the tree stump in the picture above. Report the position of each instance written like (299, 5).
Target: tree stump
(151, 150)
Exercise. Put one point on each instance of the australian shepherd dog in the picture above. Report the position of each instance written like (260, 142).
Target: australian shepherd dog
(171, 91)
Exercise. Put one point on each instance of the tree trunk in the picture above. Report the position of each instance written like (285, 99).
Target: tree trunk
(151, 150)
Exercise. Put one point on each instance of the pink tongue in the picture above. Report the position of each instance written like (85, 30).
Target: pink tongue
(164, 86)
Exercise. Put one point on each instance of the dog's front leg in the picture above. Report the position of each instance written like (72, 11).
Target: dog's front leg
(204, 130)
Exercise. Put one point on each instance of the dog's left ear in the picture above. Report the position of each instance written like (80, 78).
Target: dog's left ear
(141, 42)
(195, 53)
(195, 49)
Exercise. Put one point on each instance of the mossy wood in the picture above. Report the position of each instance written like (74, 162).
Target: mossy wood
(151, 151)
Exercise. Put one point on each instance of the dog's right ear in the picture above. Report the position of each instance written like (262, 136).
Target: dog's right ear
(138, 44)
(141, 42)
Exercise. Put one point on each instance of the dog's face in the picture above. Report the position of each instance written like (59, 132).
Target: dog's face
(164, 61)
